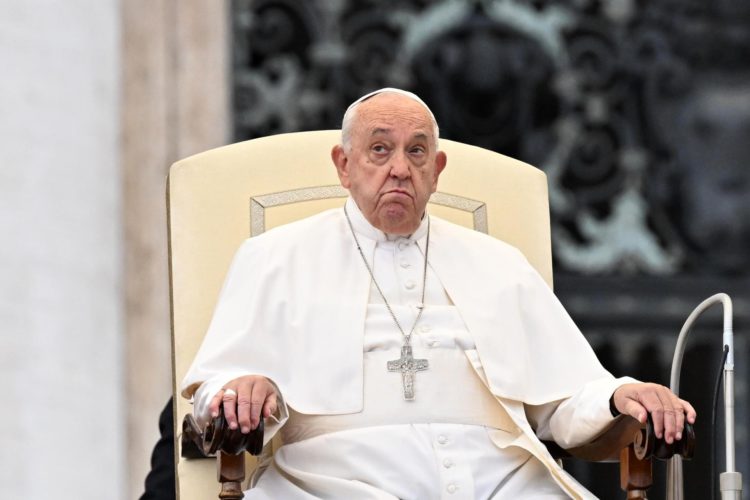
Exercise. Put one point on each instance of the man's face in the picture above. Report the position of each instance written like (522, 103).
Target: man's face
(392, 165)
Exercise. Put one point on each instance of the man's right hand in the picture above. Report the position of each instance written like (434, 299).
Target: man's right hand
(253, 395)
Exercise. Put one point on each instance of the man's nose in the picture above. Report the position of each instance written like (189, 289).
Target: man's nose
(400, 166)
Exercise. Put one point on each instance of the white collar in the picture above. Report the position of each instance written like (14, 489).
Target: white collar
(363, 227)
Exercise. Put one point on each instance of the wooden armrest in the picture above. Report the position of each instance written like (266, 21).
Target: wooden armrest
(606, 446)
(623, 432)
(227, 445)
(217, 436)
(634, 445)
(191, 439)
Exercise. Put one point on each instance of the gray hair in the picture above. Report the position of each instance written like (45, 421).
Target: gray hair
(351, 114)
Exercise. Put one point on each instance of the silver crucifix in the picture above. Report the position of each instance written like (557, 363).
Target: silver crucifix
(408, 366)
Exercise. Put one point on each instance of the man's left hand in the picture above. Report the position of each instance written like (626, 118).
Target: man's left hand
(668, 412)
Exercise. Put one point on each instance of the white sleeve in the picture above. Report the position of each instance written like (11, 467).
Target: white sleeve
(578, 419)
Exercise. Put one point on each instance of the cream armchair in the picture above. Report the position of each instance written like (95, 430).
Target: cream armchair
(218, 198)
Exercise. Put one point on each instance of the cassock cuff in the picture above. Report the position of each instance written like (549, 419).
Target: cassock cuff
(604, 411)
(612, 408)
(278, 419)
(586, 414)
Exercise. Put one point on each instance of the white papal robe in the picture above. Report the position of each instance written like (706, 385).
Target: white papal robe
(394, 452)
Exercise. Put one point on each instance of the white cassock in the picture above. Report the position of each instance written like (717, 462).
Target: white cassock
(507, 365)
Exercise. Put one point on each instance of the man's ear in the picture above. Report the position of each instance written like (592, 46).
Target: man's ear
(340, 160)
(441, 160)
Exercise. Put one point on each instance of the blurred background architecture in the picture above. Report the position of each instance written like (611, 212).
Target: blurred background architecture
(639, 113)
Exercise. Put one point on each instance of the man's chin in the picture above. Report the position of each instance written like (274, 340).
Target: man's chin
(396, 219)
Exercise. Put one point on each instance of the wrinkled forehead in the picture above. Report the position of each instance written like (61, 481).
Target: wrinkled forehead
(391, 115)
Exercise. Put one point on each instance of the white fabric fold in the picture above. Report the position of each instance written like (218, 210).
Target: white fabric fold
(294, 302)
(296, 307)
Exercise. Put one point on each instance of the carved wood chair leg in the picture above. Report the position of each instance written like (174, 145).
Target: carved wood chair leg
(231, 473)
(636, 476)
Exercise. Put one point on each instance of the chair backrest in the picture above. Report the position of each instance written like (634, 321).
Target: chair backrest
(218, 198)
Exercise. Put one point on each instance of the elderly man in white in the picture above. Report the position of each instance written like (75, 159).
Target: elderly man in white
(399, 355)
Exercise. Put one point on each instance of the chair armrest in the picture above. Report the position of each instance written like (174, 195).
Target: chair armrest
(623, 432)
(217, 436)
(227, 445)
(606, 446)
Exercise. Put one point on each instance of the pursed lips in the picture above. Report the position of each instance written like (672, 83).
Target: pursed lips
(400, 192)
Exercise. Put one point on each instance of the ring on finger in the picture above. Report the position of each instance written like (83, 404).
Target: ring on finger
(229, 392)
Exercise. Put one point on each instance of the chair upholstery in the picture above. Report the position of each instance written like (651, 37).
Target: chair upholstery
(218, 198)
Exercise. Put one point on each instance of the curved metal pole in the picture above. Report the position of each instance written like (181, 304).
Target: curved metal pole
(730, 481)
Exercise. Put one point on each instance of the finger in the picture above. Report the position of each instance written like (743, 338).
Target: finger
(229, 399)
(636, 410)
(653, 404)
(213, 407)
(669, 416)
(689, 411)
(661, 416)
(260, 392)
(679, 414)
(270, 407)
(244, 395)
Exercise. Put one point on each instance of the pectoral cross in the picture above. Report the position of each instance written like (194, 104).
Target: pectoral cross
(408, 366)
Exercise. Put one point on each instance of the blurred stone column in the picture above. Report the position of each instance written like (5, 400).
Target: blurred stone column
(61, 363)
(175, 103)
